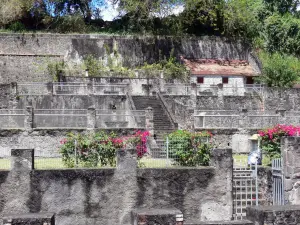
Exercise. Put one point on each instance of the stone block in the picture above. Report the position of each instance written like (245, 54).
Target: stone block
(30, 219)
(157, 217)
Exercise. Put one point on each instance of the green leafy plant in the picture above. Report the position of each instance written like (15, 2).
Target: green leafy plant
(55, 68)
(190, 149)
(93, 65)
(279, 70)
(99, 149)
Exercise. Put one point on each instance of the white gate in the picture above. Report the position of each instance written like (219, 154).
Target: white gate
(245, 189)
(278, 184)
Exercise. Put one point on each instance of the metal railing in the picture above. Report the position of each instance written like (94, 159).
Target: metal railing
(121, 119)
(178, 89)
(58, 118)
(213, 90)
(110, 89)
(227, 119)
(34, 88)
(12, 118)
(278, 182)
(70, 88)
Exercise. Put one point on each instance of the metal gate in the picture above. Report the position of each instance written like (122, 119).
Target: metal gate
(278, 184)
(245, 189)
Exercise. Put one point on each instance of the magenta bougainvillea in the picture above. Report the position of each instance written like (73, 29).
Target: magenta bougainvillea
(270, 138)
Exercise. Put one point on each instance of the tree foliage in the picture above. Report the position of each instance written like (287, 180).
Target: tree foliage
(279, 70)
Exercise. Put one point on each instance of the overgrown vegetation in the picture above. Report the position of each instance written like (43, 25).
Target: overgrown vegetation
(190, 149)
(99, 149)
(279, 70)
(272, 26)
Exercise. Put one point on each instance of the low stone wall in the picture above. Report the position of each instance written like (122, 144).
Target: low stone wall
(108, 196)
(274, 215)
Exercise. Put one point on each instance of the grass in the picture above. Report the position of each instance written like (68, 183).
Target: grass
(57, 163)
(241, 160)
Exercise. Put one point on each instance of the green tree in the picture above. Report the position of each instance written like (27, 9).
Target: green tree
(279, 70)
(13, 10)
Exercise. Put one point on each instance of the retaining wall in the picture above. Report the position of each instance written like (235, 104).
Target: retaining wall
(108, 196)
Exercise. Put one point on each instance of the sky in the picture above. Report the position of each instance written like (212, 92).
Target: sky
(109, 12)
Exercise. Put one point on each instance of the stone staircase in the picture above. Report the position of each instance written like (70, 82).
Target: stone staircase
(162, 123)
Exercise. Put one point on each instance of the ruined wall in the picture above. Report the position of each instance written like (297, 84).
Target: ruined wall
(16, 50)
(107, 196)
(25, 68)
(72, 102)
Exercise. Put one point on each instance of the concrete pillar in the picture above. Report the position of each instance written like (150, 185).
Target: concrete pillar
(149, 120)
(191, 119)
(127, 160)
(222, 160)
(193, 96)
(22, 160)
(290, 149)
(243, 118)
(91, 118)
(90, 88)
(162, 81)
(13, 89)
(29, 118)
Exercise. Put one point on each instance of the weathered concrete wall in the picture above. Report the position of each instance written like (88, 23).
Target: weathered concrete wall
(72, 102)
(132, 51)
(107, 196)
(25, 68)
(265, 183)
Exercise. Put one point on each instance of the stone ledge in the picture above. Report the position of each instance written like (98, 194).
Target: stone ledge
(146, 216)
(29, 219)
(231, 222)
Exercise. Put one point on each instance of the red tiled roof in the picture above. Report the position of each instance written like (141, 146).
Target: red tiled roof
(219, 67)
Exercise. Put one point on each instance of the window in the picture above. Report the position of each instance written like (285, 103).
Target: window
(224, 80)
(249, 80)
(200, 80)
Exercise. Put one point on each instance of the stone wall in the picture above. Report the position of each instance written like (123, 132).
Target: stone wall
(25, 68)
(274, 215)
(290, 149)
(108, 196)
(16, 50)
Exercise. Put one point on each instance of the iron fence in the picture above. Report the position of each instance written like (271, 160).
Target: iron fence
(121, 119)
(57, 118)
(12, 118)
(61, 88)
(245, 188)
(278, 182)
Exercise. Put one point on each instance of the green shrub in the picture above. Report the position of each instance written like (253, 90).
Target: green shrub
(190, 149)
(279, 70)
(55, 68)
(70, 24)
(93, 65)
(17, 26)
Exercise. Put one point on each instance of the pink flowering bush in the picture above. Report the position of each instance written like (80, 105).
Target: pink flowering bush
(270, 138)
